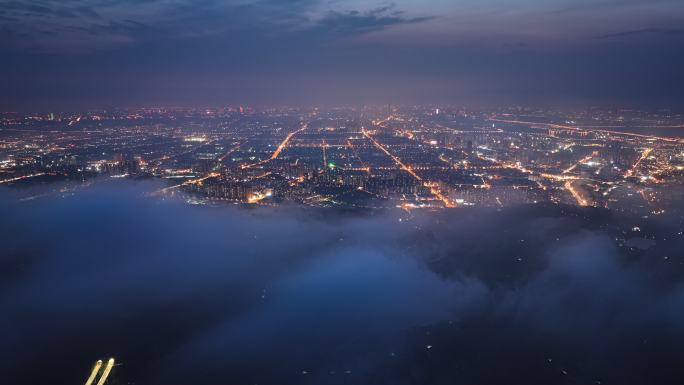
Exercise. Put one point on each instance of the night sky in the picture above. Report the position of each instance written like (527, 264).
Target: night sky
(98, 53)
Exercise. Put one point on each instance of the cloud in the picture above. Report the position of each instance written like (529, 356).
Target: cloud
(124, 53)
(87, 26)
(354, 23)
(642, 32)
(179, 294)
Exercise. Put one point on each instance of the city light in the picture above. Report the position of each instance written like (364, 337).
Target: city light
(357, 158)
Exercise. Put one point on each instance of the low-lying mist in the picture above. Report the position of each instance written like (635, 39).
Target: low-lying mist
(219, 295)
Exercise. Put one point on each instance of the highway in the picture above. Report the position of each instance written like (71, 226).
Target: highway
(575, 194)
(289, 137)
(280, 148)
(189, 182)
(224, 156)
(643, 156)
(434, 190)
(21, 178)
(581, 161)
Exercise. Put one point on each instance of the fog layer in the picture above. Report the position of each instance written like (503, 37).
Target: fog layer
(215, 295)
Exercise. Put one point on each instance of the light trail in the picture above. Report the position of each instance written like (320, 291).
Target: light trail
(643, 156)
(434, 190)
(106, 372)
(575, 194)
(93, 373)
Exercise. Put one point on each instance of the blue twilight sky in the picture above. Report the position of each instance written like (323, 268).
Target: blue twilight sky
(90, 53)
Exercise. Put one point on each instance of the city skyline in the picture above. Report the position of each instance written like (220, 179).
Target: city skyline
(408, 157)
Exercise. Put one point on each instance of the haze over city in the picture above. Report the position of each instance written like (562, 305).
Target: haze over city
(341, 192)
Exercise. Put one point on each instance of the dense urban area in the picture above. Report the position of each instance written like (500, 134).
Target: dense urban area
(371, 157)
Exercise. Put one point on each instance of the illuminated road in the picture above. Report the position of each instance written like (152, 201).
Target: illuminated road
(557, 178)
(582, 161)
(280, 148)
(568, 179)
(198, 180)
(21, 178)
(282, 145)
(189, 182)
(643, 156)
(232, 150)
(93, 373)
(434, 190)
(443, 159)
(573, 128)
(394, 158)
(190, 151)
(575, 194)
